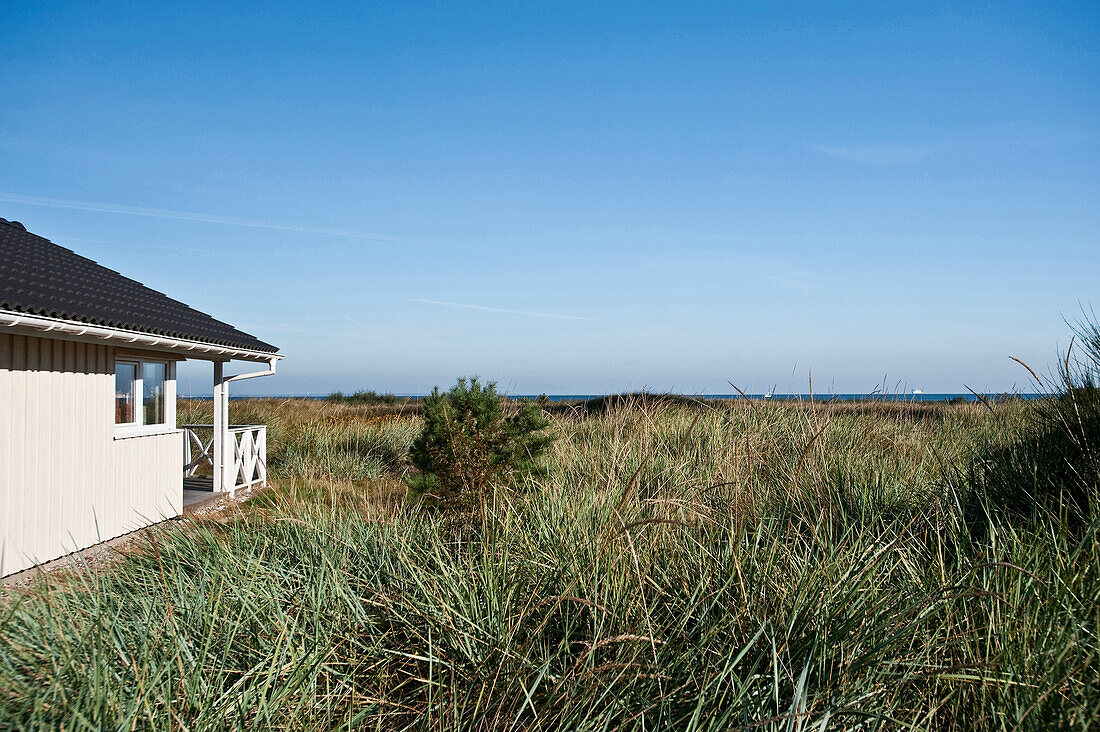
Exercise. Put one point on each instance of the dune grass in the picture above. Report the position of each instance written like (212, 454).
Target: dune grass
(680, 566)
(321, 440)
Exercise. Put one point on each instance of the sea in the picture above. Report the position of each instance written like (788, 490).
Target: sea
(815, 397)
(889, 397)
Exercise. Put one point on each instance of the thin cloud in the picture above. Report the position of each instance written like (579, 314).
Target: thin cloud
(288, 328)
(164, 213)
(796, 282)
(878, 154)
(63, 240)
(781, 271)
(508, 311)
(978, 139)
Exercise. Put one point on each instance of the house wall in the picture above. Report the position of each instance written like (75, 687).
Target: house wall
(66, 482)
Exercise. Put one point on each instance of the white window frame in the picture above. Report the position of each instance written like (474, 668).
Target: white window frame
(137, 428)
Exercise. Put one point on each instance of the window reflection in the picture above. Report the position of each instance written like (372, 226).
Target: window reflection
(152, 381)
(125, 374)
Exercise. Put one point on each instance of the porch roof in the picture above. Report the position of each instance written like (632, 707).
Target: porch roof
(40, 278)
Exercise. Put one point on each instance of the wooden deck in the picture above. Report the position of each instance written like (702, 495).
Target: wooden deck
(197, 490)
(198, 483)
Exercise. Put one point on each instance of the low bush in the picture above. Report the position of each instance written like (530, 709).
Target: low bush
(365, 396)
(471, 440)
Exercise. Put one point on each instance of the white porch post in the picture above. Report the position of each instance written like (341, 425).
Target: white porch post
(224, 480)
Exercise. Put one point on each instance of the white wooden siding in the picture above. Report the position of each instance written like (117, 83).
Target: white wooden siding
(66, 483)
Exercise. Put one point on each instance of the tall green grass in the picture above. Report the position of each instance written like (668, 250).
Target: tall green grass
(694, 567)
(312, 440)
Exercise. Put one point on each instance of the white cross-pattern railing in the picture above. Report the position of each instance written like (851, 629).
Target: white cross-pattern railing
(195, 451)
(249, 455)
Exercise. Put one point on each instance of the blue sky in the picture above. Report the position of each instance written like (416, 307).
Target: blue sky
(578, 198)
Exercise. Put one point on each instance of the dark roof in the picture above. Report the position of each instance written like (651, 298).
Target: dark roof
(39, 277)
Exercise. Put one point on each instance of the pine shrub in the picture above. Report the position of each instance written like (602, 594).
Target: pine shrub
(472, 439)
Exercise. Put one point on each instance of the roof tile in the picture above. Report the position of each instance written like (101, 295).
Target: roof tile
(39, 277)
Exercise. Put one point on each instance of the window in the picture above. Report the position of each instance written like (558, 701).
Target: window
(153, 383)
(125, 378)
(153, 377)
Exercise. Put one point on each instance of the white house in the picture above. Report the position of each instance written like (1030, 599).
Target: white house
(89, 446)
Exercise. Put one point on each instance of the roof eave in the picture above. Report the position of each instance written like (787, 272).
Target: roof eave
(13, 321)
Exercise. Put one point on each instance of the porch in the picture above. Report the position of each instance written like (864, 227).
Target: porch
(222, 458)
(243, 462)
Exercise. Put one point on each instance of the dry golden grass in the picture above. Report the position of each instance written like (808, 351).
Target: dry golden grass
(680, 566)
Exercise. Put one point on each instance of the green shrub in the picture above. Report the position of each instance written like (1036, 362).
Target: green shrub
(363, 396)
(470, 440)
